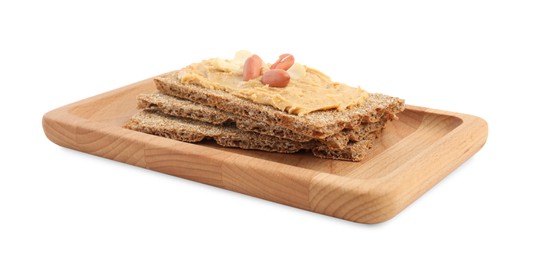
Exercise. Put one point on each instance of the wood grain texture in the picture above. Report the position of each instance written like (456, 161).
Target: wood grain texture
(414, 153)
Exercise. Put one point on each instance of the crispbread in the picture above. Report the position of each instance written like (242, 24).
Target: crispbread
(188, 130)
(354, 151)
(184, 108)
(317, 125)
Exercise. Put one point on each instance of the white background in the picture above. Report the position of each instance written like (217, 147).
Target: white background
(474, 57)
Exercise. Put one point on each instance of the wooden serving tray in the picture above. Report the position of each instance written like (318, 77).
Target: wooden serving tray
(414, 153)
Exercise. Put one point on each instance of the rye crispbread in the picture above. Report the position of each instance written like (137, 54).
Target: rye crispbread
(317, 125)
(184, 108)
(188, 130)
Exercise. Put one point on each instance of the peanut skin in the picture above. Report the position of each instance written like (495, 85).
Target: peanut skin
(276, 78)
(284, 62)
(252, 67)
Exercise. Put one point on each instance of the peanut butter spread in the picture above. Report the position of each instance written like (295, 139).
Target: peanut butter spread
(312, 91)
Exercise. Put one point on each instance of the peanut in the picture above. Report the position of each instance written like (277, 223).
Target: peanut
(297, 71)
(276, 78)
(241, 56)
(285, 61)
(252, 67)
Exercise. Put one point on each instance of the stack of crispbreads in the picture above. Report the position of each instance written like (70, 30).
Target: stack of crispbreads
(190, 112)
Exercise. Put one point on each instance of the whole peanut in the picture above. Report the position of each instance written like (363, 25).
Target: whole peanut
(252, 67)
(276, 78)
(285, 61)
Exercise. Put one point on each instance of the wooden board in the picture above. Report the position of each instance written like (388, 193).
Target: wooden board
(414, 153)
